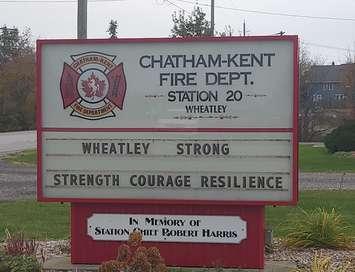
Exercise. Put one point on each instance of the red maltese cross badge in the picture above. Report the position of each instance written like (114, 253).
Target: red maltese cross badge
(93, 86)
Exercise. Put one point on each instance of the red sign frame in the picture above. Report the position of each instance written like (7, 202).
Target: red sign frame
(249, 253)
(294, 129)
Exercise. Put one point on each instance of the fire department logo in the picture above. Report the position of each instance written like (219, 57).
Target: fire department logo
(93, 86)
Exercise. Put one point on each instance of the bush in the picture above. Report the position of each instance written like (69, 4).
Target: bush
(18, 263)
(23, 263)
(341, 138)
(3, 264)
(112, 266)
(132, 257)
(318, 228)
(16, 244)
(19, 254)
(4, 267)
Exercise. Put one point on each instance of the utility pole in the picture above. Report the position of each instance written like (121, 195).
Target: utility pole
(82, 19)
(212, 17)
(244, 31)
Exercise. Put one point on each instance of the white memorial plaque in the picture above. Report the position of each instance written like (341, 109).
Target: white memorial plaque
(168, 228)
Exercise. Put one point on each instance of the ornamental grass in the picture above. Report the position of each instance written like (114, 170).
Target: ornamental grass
(318, 228)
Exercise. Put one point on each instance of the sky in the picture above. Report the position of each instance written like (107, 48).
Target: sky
(327, 40)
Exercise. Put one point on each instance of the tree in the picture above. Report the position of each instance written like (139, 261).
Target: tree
(112, 29)
(318, 117)
(228, 31)
(194, 25)
(14, 44)
(349, 86)
(313, 120)
(17, 82)
(17, 66)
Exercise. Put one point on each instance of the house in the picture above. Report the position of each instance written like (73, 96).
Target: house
(327, 99)
(332, 86)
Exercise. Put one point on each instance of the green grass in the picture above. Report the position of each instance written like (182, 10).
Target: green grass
(51, 221)
(25, 157)
(44, 221)
(318, 159)
(341, 201)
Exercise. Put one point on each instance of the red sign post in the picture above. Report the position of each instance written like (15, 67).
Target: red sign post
(185, 140)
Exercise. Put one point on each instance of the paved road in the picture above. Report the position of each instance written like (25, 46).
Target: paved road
(17, 141)
(327, 181)
(17, 182)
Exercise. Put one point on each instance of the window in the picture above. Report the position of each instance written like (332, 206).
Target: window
(328, 86)
(317, 97)
(340, 96)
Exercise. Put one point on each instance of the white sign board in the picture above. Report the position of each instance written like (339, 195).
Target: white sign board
(168, 119)
(193, 84)
(168, 228)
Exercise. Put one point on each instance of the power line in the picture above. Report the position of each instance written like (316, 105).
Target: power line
(328, 46)
(201, 4)
(274, 13)
(175, 5)
(53, 1)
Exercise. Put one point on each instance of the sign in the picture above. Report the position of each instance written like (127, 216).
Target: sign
(168, 166)
(168, 228)
(92, 85)
(168, 120)
(203, 223)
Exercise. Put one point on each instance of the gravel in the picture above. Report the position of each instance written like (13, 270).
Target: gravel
(302, 258)
(49, 249)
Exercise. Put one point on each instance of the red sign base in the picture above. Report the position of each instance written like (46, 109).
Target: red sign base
(248, 254)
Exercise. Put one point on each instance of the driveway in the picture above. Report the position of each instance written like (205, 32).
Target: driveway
(17, 141)
(17, 182)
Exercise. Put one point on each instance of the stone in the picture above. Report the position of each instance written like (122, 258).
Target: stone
(63, 264)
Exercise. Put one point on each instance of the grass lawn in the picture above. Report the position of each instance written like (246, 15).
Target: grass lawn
(25, 157)
(44, 221)
(51, 221)
(318, 159)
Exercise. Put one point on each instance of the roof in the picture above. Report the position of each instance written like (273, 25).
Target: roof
(330, 73)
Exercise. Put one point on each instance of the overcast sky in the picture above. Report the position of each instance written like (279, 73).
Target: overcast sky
(327, 39)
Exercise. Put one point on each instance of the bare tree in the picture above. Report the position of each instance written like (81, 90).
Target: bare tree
(314, 120)
(349, 87)
(227, 32)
